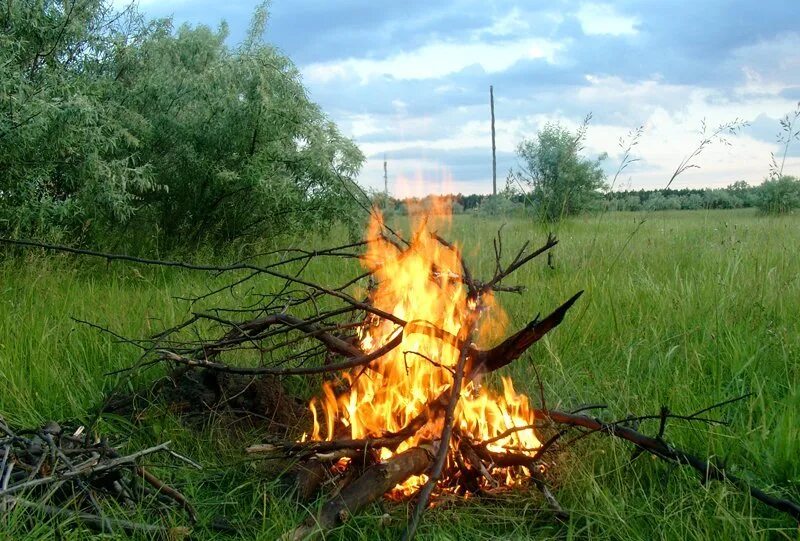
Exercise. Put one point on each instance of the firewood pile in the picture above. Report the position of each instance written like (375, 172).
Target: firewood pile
(74, 475)
(403, 356)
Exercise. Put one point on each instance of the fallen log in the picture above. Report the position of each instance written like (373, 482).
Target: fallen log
(372, 485)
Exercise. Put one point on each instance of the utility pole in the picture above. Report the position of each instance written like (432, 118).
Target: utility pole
(494, 147)
(385, 176)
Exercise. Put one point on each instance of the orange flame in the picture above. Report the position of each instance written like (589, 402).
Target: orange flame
(421, 284)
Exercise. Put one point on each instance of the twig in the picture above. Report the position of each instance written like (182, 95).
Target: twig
(205, 268)
(162, 488)
(661, 449)
(83, 470)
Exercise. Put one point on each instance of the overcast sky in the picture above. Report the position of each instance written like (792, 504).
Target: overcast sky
(411, 79)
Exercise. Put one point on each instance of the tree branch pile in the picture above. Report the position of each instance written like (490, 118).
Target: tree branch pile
(74, 475)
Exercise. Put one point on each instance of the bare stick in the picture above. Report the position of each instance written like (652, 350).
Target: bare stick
(168, 491)
(388, 441)
(249, 330)
(661, 449)
(519, 261)
(207, 268)
(514, 346)
(89, 469)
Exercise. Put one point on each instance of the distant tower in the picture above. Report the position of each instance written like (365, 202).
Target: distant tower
(385, 176)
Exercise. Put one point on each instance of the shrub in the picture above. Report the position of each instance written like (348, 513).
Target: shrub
(562, 181)
(780, 195)
(499, 205)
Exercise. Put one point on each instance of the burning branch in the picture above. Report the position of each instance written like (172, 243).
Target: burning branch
(435, 473)
(514, 346)
(376, 481)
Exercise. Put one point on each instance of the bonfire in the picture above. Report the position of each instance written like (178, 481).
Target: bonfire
(422, 284)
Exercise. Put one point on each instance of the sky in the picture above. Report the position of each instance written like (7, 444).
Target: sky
(410, 80)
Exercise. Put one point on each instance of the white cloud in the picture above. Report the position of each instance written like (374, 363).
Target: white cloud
(769, 66)
(361, 125)
(599, 19)
(435, 60)
(510, 24)
(671, 116)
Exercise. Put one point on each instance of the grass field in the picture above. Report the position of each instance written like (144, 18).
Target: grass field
(686, 310)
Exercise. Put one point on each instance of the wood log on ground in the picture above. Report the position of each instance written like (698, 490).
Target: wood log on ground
(376, 481)
(310, 476)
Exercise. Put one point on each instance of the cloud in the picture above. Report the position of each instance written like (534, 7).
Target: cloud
(512, 23)
(410, 79)
(434, 61)
(603, 19)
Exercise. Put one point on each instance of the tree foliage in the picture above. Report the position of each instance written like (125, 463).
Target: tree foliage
(562, 181)
(779, 195)
(112, 126)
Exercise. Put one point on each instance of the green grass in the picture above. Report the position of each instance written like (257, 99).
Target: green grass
(687, 310)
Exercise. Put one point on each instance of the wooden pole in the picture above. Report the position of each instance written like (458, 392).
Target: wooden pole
(385, 176)
(494, 147)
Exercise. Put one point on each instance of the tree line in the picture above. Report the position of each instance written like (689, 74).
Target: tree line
(772, 197)
(554, 180)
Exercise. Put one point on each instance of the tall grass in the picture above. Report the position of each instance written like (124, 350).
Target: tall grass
(696, 307)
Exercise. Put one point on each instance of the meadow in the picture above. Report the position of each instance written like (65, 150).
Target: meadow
(685, 309)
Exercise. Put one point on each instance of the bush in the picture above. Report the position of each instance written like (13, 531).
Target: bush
(562, 181)
(692, 202)
(779, 196)
(498, 205)
(720, 199)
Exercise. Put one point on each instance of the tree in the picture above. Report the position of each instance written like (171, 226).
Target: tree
(67, 154)
(562, 181)
(110, 124)
(779, 195)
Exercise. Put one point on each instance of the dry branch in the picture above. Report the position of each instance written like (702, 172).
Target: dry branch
(304, 370)
(71, 475)
(449, 418)
(250, 330)
(658, 447)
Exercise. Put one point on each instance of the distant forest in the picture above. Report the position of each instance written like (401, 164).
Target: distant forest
(737, 195)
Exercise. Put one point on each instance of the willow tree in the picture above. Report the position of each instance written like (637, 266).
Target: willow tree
(113, 126)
